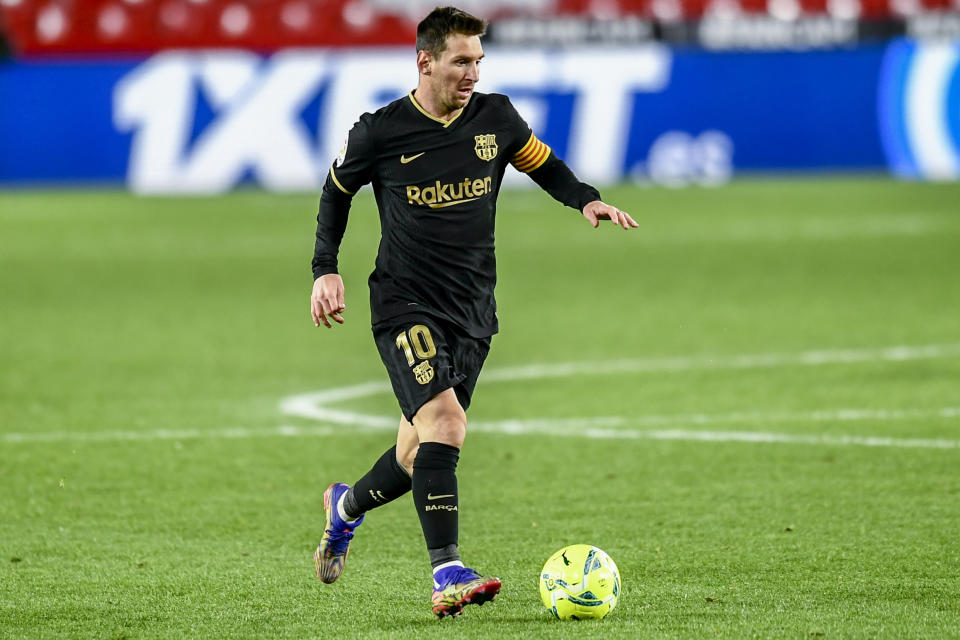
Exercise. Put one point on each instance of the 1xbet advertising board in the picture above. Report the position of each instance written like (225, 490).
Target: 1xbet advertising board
(204, 121)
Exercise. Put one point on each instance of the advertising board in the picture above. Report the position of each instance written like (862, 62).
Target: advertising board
(207, 121)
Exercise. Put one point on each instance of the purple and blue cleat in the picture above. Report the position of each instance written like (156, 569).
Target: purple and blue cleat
(331, 554)
(457, 586)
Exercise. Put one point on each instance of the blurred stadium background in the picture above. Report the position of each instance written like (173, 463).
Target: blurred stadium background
(203, 95)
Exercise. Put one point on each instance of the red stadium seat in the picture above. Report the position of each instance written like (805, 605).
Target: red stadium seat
(37, 27)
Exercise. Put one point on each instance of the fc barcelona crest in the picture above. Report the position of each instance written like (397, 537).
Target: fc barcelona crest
(423, 372)
(486, 147)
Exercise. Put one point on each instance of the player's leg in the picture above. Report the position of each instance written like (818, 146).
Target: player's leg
(441, 426)
(386, 481)
(345, 506)
(408, 443)
(432, 381)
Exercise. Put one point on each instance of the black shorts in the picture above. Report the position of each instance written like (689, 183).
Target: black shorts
(425, 356)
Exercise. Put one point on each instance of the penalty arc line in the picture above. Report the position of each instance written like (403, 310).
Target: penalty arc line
(316, 406)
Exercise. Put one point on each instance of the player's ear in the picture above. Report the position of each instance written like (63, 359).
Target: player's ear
(424, 62)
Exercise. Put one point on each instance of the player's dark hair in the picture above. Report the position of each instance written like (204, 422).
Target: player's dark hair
(433, 30)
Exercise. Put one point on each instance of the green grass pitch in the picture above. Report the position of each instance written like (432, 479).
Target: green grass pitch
(752, 402)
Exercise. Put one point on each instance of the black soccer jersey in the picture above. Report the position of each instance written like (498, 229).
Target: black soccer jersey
(436, 184)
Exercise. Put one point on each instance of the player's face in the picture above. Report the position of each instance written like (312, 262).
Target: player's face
(456, 70)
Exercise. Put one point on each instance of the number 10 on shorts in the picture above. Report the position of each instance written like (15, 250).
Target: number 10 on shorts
(417, 340)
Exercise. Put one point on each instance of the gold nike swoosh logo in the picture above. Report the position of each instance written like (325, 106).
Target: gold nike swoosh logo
(405, 159)
(430, 496)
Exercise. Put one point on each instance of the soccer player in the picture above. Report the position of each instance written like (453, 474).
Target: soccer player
(436, 158)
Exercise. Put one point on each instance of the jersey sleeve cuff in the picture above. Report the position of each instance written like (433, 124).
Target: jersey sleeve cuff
(589, 195)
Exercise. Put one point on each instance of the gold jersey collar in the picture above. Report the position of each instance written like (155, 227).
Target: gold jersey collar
(445, 123)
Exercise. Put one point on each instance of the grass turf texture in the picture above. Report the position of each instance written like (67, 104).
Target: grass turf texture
(125, 315)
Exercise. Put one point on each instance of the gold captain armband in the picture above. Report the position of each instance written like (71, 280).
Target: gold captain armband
(531, 156)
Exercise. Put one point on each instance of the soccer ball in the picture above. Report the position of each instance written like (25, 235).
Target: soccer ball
(580, 582)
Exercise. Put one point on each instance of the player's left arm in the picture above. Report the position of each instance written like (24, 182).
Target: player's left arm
(554, 176)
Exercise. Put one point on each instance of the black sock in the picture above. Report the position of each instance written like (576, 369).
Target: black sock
(386, 481)
(443, 555)
(435, 493)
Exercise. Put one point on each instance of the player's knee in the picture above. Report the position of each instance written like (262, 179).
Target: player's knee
(449, 427)
(443, 420)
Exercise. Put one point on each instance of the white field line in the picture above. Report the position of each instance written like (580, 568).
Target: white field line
(612, 428)
(167, 434)
(315, 406)
(590, 428)
(691, 363)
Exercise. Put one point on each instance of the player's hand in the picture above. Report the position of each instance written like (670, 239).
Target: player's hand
(597, 210)
(327, 300)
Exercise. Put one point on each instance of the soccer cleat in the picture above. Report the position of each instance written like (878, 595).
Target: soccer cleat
(331, 554)
(455, 587)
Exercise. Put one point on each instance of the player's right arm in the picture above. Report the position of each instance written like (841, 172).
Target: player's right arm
(352, 169)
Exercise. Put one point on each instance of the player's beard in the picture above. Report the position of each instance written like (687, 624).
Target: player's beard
(458, 100)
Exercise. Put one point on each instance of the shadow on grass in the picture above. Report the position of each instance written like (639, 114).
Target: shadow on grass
(516, 622)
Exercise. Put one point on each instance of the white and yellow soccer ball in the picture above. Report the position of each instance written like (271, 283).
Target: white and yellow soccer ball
(580, 582)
